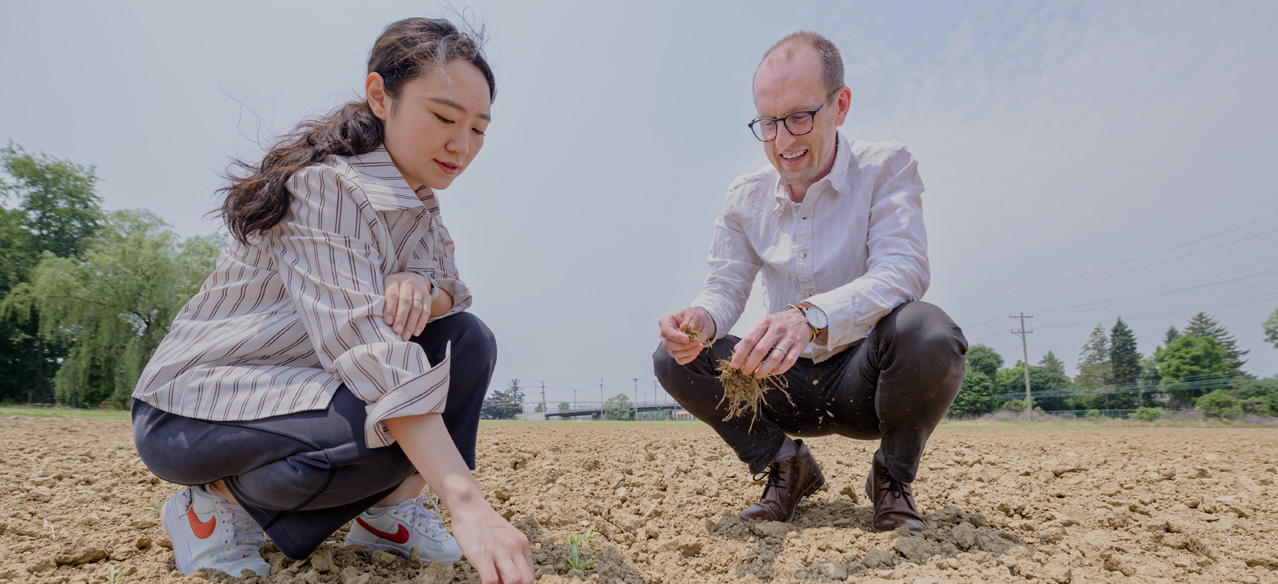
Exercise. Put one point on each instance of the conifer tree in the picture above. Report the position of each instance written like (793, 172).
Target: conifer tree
(1124, 362)
(1202, 325)
(1171, 335)
(1094, 372)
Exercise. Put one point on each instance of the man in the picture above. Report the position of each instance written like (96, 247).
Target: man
(836, 226)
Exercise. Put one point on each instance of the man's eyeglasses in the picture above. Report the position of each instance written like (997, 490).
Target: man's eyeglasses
(797, 123)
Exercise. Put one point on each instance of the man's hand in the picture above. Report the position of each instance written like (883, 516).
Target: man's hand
(676, 342)
(407, 306)
(773, 345)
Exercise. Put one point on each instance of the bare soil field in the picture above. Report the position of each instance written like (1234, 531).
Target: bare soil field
(1002, 505)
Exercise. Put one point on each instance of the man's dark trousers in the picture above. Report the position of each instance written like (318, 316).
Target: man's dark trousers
(895, 385)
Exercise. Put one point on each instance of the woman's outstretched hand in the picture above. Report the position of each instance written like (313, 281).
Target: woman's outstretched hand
(498, 552)
(407, 305)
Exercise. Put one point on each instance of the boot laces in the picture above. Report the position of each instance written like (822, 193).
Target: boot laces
(773, 475)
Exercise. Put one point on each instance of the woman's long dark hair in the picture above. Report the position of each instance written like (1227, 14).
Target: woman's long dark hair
(257, 199)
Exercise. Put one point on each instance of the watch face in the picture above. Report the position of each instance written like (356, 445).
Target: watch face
(817, 318)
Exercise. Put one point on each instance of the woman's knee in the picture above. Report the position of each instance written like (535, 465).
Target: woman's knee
(474, 339)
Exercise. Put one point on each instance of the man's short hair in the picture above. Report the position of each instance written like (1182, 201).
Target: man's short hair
(831, 61)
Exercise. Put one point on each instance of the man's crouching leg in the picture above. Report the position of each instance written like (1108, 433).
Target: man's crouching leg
(792, 473)
(917, 354)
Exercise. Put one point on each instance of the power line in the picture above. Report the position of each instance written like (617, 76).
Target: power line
(981, 305)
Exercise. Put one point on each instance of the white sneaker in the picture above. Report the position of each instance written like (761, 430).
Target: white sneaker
(403, 527)
(209, 532)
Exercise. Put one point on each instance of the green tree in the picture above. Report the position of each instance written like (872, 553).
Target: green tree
(1124, 363)
(1259, 396)
(1187, 366)
(1219, 404)
(1203, 326)
(54, 208)
(113, 305)
(564, 406)
(56, 199)
(984, 359)
(975, 397)
(1150, 381)
(1094, 372)
(1271, 329)
(618, 407)
(503, 404)
(1045, 389)
(1171, 335)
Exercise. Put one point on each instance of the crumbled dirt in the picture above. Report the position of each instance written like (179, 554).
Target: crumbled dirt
(1099, 505)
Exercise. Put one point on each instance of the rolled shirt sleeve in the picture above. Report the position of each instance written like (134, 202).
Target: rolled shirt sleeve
(733, 265)
(440, 265)
(329, 259)
(897, 263)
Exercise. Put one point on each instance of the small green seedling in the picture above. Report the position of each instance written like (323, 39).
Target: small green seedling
(575, 543)
(154, 507)
(114, 575)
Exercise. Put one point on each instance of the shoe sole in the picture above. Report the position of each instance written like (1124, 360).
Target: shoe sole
(372, 547)
(172, 519)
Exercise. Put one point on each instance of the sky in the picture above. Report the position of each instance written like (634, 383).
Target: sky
(1084, 161)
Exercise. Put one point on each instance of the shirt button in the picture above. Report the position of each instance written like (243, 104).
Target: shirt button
(805, 254)
(805, 218)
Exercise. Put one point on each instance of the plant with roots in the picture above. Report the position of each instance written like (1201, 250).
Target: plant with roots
(575, 543)
(743, 393)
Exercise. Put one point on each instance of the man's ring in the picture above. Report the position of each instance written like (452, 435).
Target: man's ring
(417, 300)
(783, 351)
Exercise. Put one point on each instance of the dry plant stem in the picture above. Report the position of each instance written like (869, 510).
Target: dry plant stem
(694, 334)
(744, 393)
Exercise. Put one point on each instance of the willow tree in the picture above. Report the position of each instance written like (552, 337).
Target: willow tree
(113, 305)
(51, 206)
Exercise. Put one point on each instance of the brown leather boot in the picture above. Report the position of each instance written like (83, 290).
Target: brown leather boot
(789, 480)
(893, 503)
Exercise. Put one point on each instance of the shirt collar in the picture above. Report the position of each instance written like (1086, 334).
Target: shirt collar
(384, 185)
(837, 178)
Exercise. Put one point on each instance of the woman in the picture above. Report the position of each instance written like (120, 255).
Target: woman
(296, 390)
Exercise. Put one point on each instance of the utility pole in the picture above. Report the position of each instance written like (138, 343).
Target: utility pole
(1029, 406)
(636, 398)
(601, 401)
(574, 399)
(543, 400)
(654, 390)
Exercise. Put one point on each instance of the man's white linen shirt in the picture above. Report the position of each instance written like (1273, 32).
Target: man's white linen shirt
(855, 247)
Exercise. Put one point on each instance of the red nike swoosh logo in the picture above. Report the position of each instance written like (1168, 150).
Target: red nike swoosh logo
(201, 529)
(400, 537)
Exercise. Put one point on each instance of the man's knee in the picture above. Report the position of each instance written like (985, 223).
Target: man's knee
(672, 376)
(929, 330)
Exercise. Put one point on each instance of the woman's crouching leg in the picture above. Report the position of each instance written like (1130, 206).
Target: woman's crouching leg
(300, 476)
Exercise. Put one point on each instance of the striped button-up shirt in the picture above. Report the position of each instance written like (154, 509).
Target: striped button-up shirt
(282, 322)
(855, 246)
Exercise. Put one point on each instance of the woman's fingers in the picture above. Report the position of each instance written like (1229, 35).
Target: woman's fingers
(403, 312)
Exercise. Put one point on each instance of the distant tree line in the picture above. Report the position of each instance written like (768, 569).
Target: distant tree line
(86, 295)
(1199, 367)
